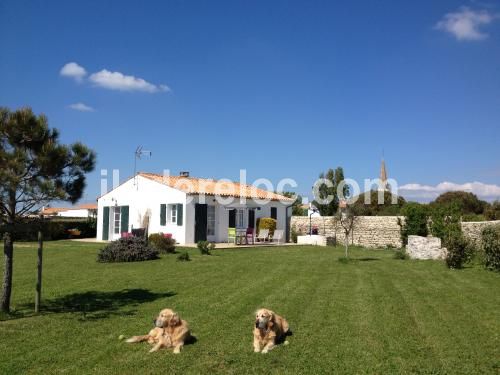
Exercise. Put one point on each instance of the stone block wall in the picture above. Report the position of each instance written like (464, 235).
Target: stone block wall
(473, 229)
(373, 231)
(425, 248)
(369, 231)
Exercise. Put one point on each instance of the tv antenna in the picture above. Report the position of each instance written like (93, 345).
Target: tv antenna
(139, 153)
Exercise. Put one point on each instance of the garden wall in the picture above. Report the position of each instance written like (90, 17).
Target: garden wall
(369, 231)
(373, 231)
(473, 229)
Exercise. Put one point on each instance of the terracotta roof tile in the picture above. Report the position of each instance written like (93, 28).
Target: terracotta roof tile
(192, 185)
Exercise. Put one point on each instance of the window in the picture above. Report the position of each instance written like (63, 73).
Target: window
(116, 220)
(240, 219)
(274, 213)
(172, 209)
(211, 221)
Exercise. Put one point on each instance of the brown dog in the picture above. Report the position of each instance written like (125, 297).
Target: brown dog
(170, 332)
(269, 329)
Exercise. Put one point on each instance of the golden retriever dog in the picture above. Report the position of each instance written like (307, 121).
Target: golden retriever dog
(270, 329)
(170, 332)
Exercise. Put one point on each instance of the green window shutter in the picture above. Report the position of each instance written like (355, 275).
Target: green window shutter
(179, 214)
(105, 223)
(163, 214)
(124, 218)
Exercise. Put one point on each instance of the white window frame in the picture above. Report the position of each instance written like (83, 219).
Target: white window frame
(172, 213)
(210, 221)
(117, 214)
(240, 218)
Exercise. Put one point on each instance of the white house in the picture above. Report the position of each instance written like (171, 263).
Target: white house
(191, 209)
(81, 211)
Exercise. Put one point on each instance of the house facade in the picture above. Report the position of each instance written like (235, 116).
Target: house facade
(191, 209)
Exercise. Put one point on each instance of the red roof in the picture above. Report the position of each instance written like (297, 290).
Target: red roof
(192, 185)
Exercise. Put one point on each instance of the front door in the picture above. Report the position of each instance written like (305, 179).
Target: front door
(200, 222)
(251, 219)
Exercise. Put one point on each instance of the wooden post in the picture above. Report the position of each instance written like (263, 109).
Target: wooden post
(38, 294)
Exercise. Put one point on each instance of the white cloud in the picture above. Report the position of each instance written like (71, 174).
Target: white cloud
(465, 23)
(119, 81)
(73, 70)
(428, 192)
(81, 107)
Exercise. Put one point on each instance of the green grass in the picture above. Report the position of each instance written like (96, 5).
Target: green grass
(373, 314)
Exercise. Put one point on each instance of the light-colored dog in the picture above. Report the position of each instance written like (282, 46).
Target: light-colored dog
(270, 329)
(170, 332)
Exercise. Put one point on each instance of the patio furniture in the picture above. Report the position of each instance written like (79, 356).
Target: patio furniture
(250, 234)
(263, 235)
(278, 236)
(231, 235)
(241, 236)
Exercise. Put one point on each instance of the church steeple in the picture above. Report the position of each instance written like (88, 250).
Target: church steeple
(383, 176)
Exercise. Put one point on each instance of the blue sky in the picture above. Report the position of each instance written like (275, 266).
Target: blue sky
(281, 88)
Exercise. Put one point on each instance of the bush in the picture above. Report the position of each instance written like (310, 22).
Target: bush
(205, 247)
(492, 211)
(459, 250)
(444, 220)
(53, 229)
(490, 239)
(467, 202)
(131, 249)
(415, 221)
(267, 223)
(293, 235)
(183, 257)
(400, 254)
(164, 243)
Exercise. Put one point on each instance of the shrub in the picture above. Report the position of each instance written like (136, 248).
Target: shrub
(444, 220)
(492, 211)
(183, 257)
(205, 247)
(459, 250)
(267, 223)
(415, 221)
(293, 235)
(490, 239)
(164, 243)
(132, 249)
(400, 254)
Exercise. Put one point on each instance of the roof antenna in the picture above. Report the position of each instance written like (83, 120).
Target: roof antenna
(139, 152)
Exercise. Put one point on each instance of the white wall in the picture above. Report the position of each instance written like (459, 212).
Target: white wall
(148, 195)
(141, 197)
(74, 213)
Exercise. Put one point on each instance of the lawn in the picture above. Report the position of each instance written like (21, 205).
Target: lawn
(372, 315)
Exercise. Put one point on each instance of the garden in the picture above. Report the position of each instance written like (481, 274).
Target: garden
(373, 314)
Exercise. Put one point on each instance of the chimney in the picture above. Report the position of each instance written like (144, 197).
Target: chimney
(184, 173)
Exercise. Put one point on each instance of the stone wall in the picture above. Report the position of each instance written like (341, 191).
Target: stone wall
(425, 248)
(373, 231)
(369, 231)
(473, 229)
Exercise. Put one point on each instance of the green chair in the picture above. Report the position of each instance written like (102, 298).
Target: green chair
(231, 235)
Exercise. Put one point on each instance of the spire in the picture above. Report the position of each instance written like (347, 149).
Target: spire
(383, 176)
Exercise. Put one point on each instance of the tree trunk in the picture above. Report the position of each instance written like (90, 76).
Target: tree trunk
(346, 243)
(38, 294)
(8, 250)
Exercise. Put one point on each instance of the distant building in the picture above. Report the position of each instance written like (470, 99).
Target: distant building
(81, 211)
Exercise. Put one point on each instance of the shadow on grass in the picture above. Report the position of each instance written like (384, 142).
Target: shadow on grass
(345, 260)
(94, 305)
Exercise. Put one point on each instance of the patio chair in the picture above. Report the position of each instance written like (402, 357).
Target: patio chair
(250, 235)
(231, 235)
(263, 235)
(278, 236)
